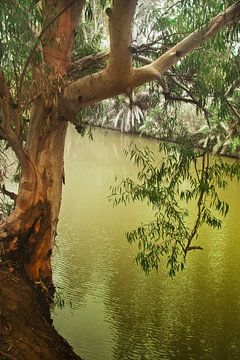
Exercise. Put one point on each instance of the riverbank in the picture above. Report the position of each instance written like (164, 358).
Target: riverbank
(235, 155)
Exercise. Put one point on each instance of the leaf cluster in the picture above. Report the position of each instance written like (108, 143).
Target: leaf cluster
(182, 180)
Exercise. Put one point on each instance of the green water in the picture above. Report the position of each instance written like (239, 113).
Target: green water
(112, 310)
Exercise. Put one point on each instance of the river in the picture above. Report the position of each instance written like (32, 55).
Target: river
(112, 310)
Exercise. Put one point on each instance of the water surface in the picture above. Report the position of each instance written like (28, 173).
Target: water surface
(114, 311)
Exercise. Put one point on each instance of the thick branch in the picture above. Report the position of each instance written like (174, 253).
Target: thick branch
(59, 37)
(88, 64)
(87, 91)
(162, 82)
(64, 25)
(103, 85)
(193, 41)
(120, 30)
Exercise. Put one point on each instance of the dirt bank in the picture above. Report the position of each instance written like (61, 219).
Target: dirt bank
(26, 330)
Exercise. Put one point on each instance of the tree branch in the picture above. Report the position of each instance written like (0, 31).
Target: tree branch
(191, 42)
(8, 356)
(6, 132)
(60, 31)
(120, 30)
(200, 203)
(44, 30)
(233, 109)
(11, 194)
(105, 84)
(194, 248)
(87, 64)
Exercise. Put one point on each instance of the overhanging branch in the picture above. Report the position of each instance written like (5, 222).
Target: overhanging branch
(194, 40)
(105, 84)
(88, 64)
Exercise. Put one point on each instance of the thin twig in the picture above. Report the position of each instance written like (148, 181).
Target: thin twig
(170, 7)
(234, 110)
(199, 205)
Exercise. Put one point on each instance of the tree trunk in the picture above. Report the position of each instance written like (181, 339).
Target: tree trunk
(28, 235)
(45, 147)
(27, 239)
(26, 330)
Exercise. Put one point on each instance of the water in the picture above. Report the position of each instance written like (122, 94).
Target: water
(112, 310)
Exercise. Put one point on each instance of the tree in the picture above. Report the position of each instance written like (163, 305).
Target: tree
(39, 96)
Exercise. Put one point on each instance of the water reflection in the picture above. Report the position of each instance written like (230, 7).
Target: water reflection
(112, 310)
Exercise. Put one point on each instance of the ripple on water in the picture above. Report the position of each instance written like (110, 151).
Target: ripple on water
(112, 310)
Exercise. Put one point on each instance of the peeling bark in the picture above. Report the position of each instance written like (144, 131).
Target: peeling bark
(30, 229)
(59, 38)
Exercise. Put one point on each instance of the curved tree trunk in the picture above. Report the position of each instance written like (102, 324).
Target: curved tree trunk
(27, 236)
(30, 230)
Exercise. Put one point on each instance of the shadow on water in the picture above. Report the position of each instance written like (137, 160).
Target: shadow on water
(112, 310)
